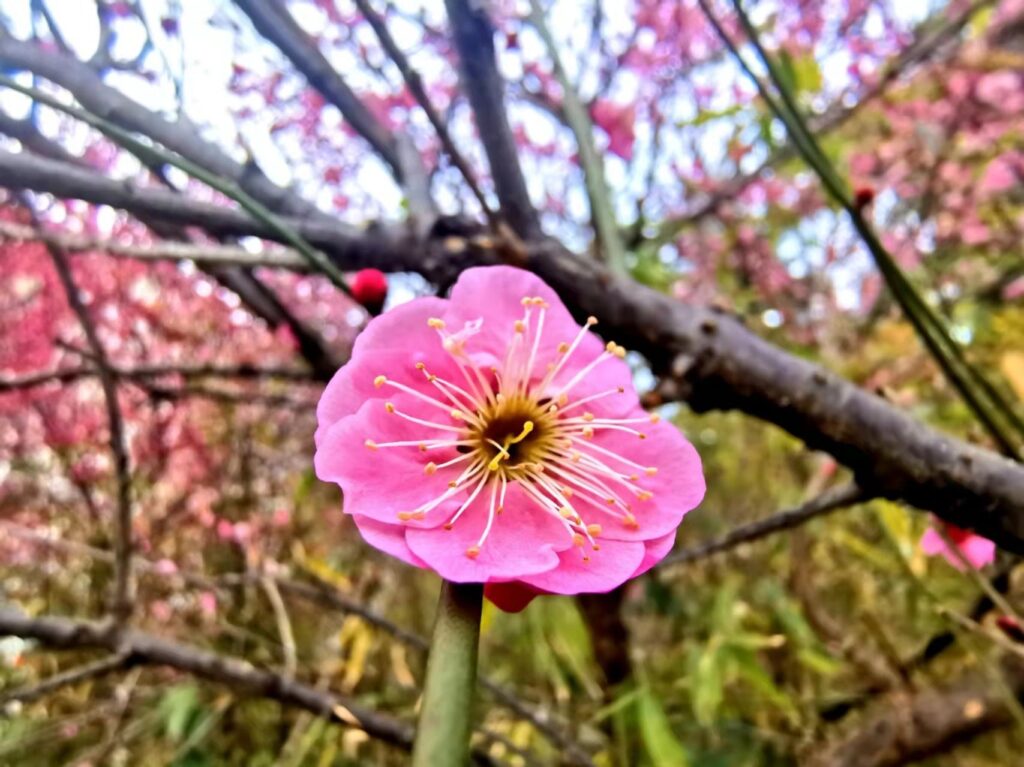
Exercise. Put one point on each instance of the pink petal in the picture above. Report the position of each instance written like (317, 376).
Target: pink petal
(677, 487)
(387, 346)
(978, 551)
(387, 538)
(381, 483)
(608, 568)
(655, 552)
(522, 541)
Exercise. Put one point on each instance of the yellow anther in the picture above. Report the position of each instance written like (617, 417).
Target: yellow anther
(453, 484)
(379, 381)
(567, 492)
(620, 352)
(644, 495)
(430, 468)
(457, 415)
(588, 417)
(370, 444)
(610, 347)
(405, 516)
(591, 320)
(630, 521)
(634, 477)
(436, 322)
(563, 347)
(423, 448)
(575, 456)
(499, 509)
(588, 432)
(525, 301)
(567, 513)
(563, 399)
(650, 471)
(641, 435)
(473, 552)
(594, 530)
(538, 301)
(578, 540)
(519, 326)
(389, 407)
(421, 366)
(610, 501)
(655, 418)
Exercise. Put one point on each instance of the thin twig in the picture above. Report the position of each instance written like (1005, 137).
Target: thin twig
(415, 84)
(284, 625)
(124, 588)
(830, 500)
(162, 250)
(72, 676)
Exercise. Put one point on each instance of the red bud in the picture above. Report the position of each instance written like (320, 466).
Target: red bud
(370, 288)
(863, 196)
(1011, 627)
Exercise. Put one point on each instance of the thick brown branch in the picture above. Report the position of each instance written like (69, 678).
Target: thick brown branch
(706, 358)
(473, 36)
(907, 727)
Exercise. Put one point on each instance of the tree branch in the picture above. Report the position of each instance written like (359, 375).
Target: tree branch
(473, 36)
(830, 500)
(72, 676)
(704, 357)
(907, 727)
(274, 22)
(124, 587)
(240, 676)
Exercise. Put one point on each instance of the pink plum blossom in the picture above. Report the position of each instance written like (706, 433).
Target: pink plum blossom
(976, 550)
(490, 438)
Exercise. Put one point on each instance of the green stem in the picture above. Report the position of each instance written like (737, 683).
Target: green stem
(442, 737)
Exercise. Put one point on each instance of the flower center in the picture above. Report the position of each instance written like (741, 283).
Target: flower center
(514, 424)
(513, 433)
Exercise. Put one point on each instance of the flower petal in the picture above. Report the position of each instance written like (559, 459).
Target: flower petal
(655, 552)
(390, 345)
(387, 538)
(522, 541)
(381, 483)
(608, 568)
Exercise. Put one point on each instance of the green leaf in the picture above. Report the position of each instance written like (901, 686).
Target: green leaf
(178, 709)
(706, 673)
(660, 743)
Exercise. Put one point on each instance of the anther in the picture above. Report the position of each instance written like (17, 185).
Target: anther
(644, 495)
(436, 322)
(594, 530)
(563, 347)
(473, 552)
(370, 444)
(389, 407)
(430, 468)
(567, 513)
(519, 326)
(379, 381)
(650, 471)
(591, 320)
(588, 432)
(655, 418)
(578, 540)
(588, 417)
(453, 484)
(630, 521)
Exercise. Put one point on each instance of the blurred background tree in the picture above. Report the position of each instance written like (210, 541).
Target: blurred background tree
(179, 589)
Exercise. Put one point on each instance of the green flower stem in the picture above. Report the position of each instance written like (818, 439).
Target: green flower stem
(442, 737)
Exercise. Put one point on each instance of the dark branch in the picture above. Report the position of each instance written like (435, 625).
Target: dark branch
(830, 500)
(67, 634)
(906, 727)
(473, 36)
(124, 590)
(273, 21)
(72, 676)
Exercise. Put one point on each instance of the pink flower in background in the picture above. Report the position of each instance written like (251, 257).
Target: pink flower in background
(976, 550)
(490, 438)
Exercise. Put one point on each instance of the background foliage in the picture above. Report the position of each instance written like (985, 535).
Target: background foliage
(759, 655)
